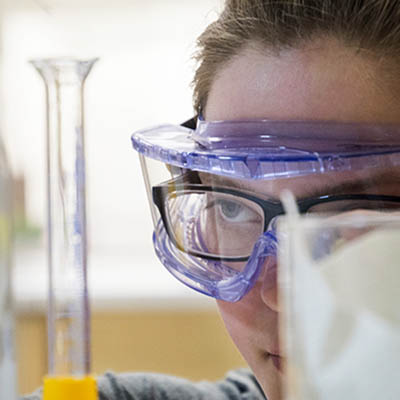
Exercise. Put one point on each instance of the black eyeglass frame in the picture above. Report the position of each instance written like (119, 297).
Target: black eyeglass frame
(271, 209)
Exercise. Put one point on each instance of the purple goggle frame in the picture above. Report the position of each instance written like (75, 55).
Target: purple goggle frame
(257, 150)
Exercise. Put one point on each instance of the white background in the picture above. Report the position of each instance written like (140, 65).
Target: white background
(142, 78)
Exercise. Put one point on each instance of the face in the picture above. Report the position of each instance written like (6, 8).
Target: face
(322, 81)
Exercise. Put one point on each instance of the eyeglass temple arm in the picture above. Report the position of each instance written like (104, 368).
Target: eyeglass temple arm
(190, 123)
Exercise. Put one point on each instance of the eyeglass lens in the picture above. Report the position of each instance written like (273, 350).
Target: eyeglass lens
(213, 223)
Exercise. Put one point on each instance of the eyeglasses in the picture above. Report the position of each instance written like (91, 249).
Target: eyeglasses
(218, 223)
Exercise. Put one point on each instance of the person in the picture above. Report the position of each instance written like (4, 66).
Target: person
(295, 94)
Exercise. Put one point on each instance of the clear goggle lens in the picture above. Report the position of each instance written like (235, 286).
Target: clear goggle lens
(215, 235)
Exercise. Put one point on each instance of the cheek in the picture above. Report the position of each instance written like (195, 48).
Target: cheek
(238, 322)
(234, 316)
(245, 318)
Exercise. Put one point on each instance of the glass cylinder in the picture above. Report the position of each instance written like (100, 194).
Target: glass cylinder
(7, 359)
(68, 312)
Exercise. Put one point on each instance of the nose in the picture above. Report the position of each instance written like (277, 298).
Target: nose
(266, 252)
(269, 283)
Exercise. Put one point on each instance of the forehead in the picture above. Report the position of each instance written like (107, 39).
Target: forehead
(322, 81)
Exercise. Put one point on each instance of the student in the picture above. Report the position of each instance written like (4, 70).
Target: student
(295, 94)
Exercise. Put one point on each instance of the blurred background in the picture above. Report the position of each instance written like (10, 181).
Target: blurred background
(142, 319)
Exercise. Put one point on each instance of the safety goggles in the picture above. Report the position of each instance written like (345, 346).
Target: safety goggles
(214, 219)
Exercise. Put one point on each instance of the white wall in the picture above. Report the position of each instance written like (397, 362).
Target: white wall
(142, 78)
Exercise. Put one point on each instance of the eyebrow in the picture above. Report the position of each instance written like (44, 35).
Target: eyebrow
(358, 184)
(226, 181)
(346, 187)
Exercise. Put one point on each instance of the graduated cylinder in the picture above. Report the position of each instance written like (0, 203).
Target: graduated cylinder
(68, 313)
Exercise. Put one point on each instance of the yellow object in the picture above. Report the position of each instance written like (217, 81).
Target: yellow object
(68, 388)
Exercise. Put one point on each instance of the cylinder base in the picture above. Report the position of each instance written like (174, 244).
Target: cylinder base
(69, 388)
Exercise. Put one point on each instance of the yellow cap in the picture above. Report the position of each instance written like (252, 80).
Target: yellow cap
(69, 388)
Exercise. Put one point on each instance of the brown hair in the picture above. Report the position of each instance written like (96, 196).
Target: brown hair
(369, 25)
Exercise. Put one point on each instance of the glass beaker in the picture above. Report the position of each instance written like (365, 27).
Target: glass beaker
(340, 289)
(68, 312)
(7, 356)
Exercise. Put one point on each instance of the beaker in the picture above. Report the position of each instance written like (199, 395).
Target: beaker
(7, 356)
(68, 308)
(339, 279)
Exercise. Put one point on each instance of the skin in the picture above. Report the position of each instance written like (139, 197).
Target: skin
(323, 81)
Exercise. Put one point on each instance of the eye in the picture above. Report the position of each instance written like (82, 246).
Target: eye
(233, 211)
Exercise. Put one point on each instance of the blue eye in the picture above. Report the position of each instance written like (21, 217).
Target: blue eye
(230, 209)
(233, 211)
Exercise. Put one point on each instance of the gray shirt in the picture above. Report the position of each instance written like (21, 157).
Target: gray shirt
(237, 385)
